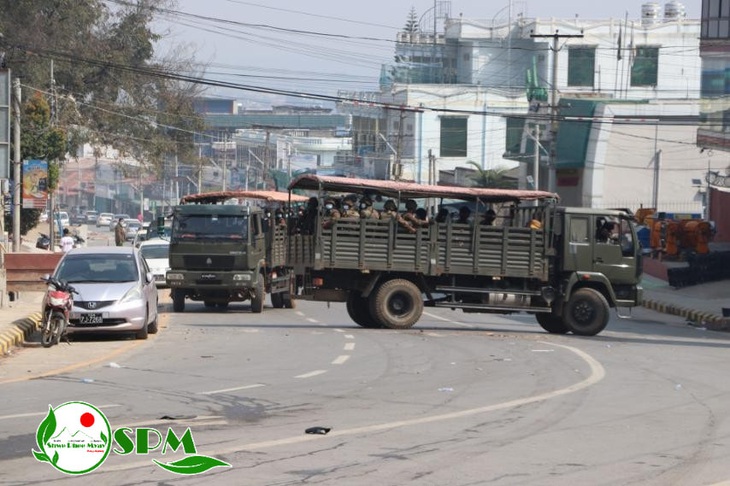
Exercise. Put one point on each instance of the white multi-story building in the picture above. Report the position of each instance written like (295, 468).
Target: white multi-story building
(499, 78)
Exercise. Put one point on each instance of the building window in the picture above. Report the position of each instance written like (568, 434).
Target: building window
(581, 66)
(646, 66)
(453, 136)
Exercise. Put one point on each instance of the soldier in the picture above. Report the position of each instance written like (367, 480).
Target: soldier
(390, 211)
(366, 209)
(489, 217)
(348, 207)
(464, 213)
(331, 213)
(411, 217)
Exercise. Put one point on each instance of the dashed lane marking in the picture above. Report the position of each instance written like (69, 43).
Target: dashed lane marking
(311, 374)
(235, 388)
(349, 346)
(341, 359)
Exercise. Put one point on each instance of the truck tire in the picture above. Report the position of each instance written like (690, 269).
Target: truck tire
(397, 304)
(358, 308)
(289, 303)
(277, 300)
(586, 313)
(257, 301)
(552, 323)
(178, 300)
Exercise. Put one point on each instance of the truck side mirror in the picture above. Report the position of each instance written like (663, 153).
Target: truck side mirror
(161, 225)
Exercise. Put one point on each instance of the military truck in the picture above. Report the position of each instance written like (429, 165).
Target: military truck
(536, 257)
(223, 249)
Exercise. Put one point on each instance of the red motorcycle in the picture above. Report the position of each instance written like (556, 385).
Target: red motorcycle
(57, 304)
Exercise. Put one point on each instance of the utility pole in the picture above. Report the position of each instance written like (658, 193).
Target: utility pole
(554, 100)
(17, 183)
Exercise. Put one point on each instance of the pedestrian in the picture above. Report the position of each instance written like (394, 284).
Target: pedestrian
(120, 234)
(67, 241)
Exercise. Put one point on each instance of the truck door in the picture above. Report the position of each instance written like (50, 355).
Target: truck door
(258, 238)
(578, 254)
(613, 251)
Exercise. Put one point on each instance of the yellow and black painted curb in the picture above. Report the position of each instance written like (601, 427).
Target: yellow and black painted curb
(708, 319)
(19, 332)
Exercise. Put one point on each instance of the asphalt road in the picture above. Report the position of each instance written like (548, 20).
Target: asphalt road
(460, 399)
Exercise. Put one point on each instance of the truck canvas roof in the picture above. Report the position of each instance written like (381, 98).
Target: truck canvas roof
(396, 189)
(221, 196)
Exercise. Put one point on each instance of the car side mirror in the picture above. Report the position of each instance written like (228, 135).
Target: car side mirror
(149, 277)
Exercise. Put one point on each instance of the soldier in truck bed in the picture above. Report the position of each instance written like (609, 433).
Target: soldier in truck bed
(366, 209)
(390, 211)
(410, 215)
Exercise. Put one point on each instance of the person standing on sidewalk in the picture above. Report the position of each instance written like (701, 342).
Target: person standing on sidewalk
(67, 241)
(119, 233)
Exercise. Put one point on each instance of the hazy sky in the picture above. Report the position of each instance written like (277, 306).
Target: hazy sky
(320, 46)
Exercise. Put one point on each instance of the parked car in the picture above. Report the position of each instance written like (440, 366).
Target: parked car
(131, 228)
(116, 290)
(104, 219)
(91, 216)
(115, 220)
(156, 252)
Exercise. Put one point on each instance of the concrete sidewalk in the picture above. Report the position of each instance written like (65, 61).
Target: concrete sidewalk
(19, 320)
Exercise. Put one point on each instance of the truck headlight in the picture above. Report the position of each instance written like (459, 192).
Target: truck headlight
(175, 276)
(242, 277)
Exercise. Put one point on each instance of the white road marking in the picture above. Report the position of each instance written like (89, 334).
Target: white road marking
(311, 374)
(299, 313)
(40, 414)
(349, 346)
(434, 316)
(597, 373)
(349, 336)
(312, 320)
(341, 359)
(236, 388)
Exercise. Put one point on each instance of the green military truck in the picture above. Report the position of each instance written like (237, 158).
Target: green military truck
(223, 249)
(537, 257)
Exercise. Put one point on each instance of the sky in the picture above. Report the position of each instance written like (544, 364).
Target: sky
(322, 46)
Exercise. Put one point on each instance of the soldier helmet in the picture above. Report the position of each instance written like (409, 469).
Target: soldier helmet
(350, 199)
(390, 205)
(411, 205)
(366, 201)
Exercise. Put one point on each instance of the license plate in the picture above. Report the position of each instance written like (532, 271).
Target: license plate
(91, 319)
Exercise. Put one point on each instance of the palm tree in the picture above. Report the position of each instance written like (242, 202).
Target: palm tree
(494, 178)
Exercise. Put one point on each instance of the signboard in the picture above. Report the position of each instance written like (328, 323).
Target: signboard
(35, 184)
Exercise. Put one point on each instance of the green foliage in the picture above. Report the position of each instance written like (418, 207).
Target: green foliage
(28, 220)
(492, 178)
(411, 26)
(104, 55)
(39, 140)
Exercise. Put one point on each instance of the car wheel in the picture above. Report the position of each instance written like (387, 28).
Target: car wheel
(142, 333)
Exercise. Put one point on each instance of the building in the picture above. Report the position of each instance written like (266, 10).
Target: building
(713, 134)
(587, 88)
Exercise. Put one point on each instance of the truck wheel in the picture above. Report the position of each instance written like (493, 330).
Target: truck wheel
(257, 301)
(277, 300)
(397, 304)
(551, 323)
(587, 312)
(358, 308)
(178, 300)
(289, 303)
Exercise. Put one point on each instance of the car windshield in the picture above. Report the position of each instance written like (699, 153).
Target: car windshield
(152, 252)
(106, 268)
(208, 226)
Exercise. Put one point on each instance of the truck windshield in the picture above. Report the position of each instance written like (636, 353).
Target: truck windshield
(207, 226)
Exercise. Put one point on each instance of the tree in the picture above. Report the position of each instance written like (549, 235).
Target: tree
(110, 90)
(492, 178)
(411, 26)
(39, 140)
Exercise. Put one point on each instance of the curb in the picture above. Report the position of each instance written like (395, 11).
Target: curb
(20, 330)
(709, 320)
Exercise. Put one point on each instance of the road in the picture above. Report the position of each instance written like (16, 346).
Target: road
(460, 399)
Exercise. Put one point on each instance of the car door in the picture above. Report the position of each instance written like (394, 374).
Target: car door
(149, 288)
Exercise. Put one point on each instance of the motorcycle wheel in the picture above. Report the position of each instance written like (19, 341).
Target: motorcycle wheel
(58, 324)
(47, 331)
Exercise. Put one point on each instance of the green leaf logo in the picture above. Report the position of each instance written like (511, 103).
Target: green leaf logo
(192, 465)
(44, 434)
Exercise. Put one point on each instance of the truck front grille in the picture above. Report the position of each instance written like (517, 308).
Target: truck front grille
(208, 262)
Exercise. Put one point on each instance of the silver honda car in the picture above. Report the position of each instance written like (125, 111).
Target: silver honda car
(116, 290)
